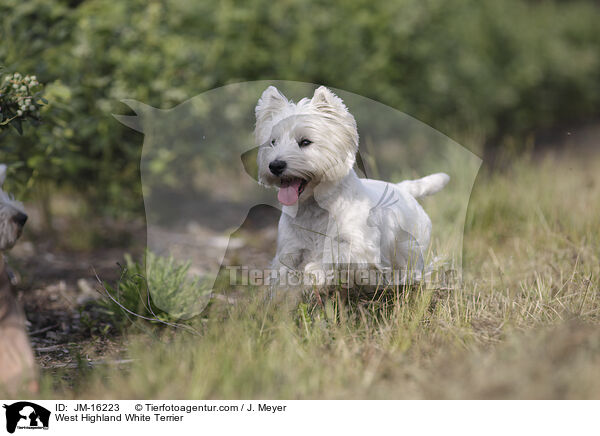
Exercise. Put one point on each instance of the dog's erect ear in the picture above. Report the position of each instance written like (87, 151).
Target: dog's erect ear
(269, 102)
(324, 97)
(2, 174)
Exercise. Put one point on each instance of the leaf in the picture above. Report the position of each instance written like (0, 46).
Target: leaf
(18, 125)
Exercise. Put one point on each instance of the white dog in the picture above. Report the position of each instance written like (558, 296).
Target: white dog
(17, 363)
(331, 218)
(12, 216)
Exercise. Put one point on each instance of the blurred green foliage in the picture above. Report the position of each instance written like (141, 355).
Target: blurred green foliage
(479, 70)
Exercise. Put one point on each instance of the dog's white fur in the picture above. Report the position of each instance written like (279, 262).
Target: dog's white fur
(339, 219)
(10, 230)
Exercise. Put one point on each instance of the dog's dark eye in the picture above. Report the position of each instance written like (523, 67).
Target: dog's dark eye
(304, 142)
(272, 142)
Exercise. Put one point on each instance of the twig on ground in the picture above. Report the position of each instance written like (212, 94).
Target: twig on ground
(59, 347)
(90, 363)
(42, 330)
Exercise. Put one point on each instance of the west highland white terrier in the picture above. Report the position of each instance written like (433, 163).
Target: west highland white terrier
(333, 220)
(17, 364)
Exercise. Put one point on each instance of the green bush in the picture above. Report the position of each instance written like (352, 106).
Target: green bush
(481, 71)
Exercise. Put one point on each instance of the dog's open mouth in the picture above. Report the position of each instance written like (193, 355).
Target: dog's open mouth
(290, 190)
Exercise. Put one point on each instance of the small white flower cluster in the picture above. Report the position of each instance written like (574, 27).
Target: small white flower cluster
(21, 89)
(25, 105)
(20, 82)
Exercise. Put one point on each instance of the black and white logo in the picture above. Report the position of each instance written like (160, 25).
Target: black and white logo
(26, 415)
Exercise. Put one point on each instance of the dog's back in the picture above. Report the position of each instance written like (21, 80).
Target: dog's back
(406, 210)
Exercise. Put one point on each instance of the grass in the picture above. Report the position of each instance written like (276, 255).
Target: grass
(524, 324)
(158, 290)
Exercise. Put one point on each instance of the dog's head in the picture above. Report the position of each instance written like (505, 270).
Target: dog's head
(303, 144)
(12, 216)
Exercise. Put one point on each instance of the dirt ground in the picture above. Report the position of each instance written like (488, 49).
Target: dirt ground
(57, 287)
(58, 284)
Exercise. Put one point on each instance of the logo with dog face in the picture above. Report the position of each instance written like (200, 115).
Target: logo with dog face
(26, 415)
(241, 156)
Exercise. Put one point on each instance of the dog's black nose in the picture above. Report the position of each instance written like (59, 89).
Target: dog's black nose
(20, 218)
(277, 167)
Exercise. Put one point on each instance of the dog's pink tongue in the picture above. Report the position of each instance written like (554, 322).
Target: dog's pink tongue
(288, 193)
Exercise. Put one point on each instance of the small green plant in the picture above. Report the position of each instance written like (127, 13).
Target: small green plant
(159, 291)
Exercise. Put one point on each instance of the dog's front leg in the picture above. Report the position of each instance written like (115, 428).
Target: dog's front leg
(343, 253)
(290, 256)
(339, 258)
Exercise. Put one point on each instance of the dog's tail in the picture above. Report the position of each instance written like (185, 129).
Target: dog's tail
(425, 186)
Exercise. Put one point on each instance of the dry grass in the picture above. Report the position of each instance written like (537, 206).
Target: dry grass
(525, 323)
